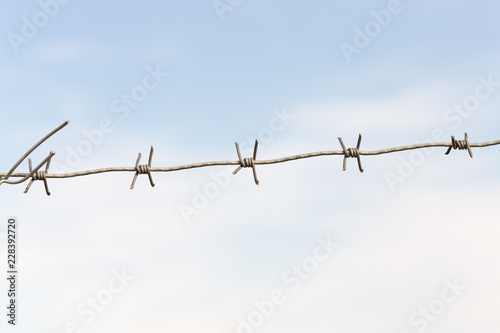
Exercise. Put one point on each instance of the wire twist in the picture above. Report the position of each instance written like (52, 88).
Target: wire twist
(4, 178)
(460, 145)
(351, 152)
(39, 175)
(247, 162)
(143, 169)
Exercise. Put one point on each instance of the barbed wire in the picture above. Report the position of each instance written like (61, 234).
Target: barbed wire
(249, 162)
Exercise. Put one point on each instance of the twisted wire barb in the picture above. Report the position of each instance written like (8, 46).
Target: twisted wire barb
(4, 177)
(241, 163)
(351, 152)
(24, 175)
(8, 174)
(143, 169)
(460, 145)
(247, 162)
(39, 175)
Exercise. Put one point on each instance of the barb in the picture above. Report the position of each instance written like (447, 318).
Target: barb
(5, 177)
(460, 144)
(39, 175)
(351, 152)
(28, 175)
(247, 162)
(241, 163)
(143, 169)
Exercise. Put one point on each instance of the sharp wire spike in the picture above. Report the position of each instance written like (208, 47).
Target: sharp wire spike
(143, 169)
(30, 174)
(358, 158)
(39, 175)
(29, 152)
(149, 167)
(351, 152)
(460, 145)
(31, 180)
(247, 162)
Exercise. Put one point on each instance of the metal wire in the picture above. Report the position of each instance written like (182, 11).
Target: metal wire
(8, 174)
(242, 162)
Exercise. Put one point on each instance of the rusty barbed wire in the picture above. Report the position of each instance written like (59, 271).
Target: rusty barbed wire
(248, 162)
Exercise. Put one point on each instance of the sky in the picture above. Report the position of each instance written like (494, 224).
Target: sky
(409, 245)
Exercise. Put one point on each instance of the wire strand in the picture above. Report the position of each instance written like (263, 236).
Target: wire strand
(272, 161)
(241, 163)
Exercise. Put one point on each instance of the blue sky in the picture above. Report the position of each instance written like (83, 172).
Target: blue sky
(204, 246)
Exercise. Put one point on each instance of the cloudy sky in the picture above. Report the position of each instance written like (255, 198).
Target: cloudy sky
(410, 245)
